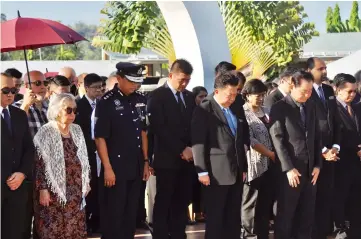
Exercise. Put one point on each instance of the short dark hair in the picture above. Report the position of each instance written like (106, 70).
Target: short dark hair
(59, 80)
(224, 79)
(240, 76)
(14, 73)
(181, 66)
(288, 72)
(341, 79)
(254, 86)
(224, 66)
(104, 78)
(92, 78)
(310, 63)
(6, 74)
(301, 75)
(198, 89)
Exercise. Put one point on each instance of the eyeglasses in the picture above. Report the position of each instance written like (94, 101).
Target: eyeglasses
(39, 82)
(70, 110)
(98, 87)
(7, 90)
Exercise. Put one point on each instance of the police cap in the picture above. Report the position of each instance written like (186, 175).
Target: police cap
(133, 72)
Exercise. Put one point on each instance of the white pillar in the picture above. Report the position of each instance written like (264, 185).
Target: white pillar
(199, 36)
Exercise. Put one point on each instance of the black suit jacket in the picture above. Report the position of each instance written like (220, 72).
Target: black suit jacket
(83, 118)
(272, 98)
(215, 149)
(295, 145)
(17, 149)
(351, 136)
(171, 129)
(328, 117)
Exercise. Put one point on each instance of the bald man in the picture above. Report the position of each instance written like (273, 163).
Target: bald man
(69, 73)
(80, 85)
(17, 156)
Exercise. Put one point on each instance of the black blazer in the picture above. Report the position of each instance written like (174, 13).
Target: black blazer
(295, 145)
(272, 98)
(328, 117)
(215, 149)
(171, 130)
(17, 149)
(351, 136)
(83, 118)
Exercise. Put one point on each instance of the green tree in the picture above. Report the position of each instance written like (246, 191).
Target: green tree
(329, 18)
(354, 18)
(65, 54)
(335, 25)
(278, 26)
(336, 18)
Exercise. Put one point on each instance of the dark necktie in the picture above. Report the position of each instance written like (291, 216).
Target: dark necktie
(349, 110)
(7, 119)
(180, 102)
(303, 114)
(322, 95)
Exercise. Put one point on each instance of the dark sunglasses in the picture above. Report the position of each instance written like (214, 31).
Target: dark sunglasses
(7, 90)
(39, 82)
(70, 110)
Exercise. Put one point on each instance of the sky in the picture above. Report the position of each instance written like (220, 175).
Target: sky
(69, 12)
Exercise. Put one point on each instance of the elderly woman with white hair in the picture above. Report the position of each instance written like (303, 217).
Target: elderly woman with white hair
(61, 173)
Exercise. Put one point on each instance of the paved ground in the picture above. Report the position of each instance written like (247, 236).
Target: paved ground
(193, 232)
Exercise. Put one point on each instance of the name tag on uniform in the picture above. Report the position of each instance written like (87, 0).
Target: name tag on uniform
(119, 108)
(331, 97)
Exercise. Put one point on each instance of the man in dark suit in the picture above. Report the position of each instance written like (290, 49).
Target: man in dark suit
(85, 107)
(170, 109)
(328, 123)
(296, 140)
(283, 89)
(17, 156)
(347, 171)
(218, 146)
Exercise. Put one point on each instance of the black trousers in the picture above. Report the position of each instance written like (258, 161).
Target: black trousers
(197, 200)
(14, 208)
(29, 215)
(295, 208)
(92, 199)
(119, 208)
(323, 208)
(142, 212)
(348, 191)
(174, 191)
(223, 207)
(256, 201)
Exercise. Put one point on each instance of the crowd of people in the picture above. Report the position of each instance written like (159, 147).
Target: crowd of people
(77, 152)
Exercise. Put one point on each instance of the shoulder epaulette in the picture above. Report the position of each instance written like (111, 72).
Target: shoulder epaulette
(108, 95)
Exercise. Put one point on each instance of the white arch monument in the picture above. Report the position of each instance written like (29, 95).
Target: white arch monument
(199, 36)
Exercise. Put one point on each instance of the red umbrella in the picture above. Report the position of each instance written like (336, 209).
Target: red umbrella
(30, 33)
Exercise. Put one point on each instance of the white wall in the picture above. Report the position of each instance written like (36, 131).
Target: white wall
(199, 36)
(349, 65)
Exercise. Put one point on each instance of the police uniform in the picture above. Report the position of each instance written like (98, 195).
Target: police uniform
(120, 120)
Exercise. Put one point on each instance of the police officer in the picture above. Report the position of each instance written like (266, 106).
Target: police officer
(119, 135)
